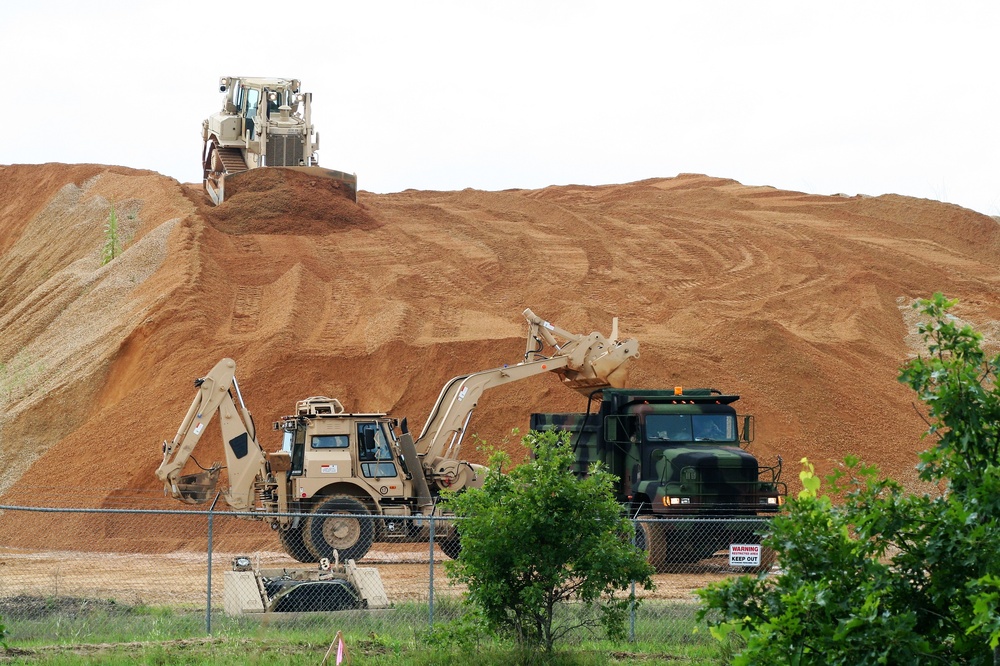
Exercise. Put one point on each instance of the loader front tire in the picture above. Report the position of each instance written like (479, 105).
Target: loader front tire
(350, 536)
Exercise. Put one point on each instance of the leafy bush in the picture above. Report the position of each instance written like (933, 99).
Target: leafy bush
(537, 538)
(880, 575)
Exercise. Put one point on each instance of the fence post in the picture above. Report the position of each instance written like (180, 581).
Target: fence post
(208, 600)
(631, 603)
(430, 594)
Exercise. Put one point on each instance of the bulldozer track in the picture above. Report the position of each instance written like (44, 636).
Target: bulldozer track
(246, 310)
(232, 160)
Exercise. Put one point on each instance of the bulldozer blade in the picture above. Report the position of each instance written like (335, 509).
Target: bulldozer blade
(348, 182)
(343, 181)
(216, 193)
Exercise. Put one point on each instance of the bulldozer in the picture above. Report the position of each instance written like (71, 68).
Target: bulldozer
(343, 480)
(264, 122)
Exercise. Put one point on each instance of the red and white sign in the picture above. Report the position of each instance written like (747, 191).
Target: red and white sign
(744, 554)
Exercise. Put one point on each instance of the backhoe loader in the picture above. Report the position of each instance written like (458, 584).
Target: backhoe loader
(362, 477)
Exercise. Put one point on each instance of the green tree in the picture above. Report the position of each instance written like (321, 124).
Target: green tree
(872, 574)
(537, 538)
(112, 239)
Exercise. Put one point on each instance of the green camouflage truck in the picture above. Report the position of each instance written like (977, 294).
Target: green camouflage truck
(678, 454)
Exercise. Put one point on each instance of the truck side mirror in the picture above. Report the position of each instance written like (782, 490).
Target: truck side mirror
(748, 429)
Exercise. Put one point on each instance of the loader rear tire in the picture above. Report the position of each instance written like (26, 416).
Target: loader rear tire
(294, 544)
(350, 537)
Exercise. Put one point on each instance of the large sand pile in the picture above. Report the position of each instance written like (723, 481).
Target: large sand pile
(797, 302)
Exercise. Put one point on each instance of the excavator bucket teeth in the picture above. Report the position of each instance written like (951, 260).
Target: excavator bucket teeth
(197, 488)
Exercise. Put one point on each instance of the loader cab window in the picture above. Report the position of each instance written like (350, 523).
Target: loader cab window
(294, 442)
(330, 441)
(374, 452)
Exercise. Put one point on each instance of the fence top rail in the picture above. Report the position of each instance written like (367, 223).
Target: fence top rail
(260, 516)
(184, 512)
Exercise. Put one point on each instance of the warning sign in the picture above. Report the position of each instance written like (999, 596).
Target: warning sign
(744, 554)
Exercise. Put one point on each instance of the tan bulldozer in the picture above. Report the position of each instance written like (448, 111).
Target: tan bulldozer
(264, 122)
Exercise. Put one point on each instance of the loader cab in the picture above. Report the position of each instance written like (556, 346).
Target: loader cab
(374, 452)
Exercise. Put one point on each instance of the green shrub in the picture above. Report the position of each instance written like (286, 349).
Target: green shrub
(544, 553)
(881, 575)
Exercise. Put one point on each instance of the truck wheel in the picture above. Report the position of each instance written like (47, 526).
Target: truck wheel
(451, 545)
(350, 537)
(293, 543)
(652, 537)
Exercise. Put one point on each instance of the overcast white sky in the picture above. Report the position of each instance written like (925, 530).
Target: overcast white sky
(822, 97)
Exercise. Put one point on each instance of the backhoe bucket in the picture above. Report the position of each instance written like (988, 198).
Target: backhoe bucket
(196, 488)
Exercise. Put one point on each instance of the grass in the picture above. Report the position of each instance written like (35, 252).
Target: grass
(74, 632)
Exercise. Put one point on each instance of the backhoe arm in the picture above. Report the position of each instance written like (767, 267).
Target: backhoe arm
(245, 460)
(585, 363)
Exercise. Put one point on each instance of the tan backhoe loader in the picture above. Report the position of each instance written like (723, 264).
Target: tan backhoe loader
(352, 475)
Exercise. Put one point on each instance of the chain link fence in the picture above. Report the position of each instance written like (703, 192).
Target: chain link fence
(104, 575)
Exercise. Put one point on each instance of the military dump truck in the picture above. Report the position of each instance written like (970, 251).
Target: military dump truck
(264, 122)
(340, 470)
(677, 454)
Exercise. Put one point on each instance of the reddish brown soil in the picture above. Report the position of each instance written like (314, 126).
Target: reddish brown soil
(797, 302)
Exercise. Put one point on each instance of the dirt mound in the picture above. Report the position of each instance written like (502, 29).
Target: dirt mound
(283, 201)
(797, 302)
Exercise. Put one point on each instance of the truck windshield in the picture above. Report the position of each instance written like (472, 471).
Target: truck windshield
(691, 428)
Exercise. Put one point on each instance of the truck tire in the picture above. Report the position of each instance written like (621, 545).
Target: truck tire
(350, 537)
(651, 536)
(293, 543)
(451, 545)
